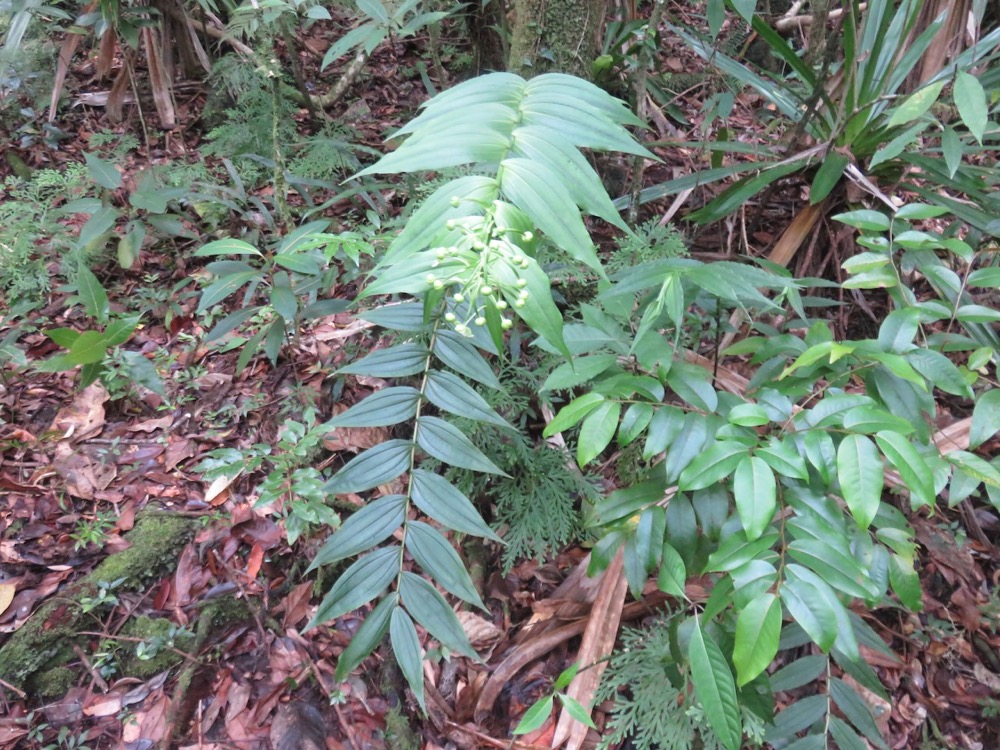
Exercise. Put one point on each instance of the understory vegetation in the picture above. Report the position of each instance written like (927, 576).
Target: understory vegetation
(648, 408)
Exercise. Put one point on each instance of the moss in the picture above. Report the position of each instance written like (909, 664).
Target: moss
(46, 640)
(151, 630)
(399, 735)
(53, 683)
(155, 541)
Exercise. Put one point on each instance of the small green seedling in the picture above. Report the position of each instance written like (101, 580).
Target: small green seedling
(535, 716)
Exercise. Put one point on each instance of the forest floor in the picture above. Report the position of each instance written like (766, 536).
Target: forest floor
(174, 606)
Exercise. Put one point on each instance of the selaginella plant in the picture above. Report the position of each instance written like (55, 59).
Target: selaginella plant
(769, 490)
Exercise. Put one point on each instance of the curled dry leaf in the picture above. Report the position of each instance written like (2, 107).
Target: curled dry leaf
(84, 417)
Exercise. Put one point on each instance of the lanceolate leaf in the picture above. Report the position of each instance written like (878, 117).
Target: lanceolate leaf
(673, 573)
(712, 466)
(392, 362)
(985, 418)
(810, 610)
(436, 556)
(970, 98)
(714, 687)
(454, 395)
(597, 430)
(860, 470)
(446, 442)
(374, 523)
(103, 172)
(440, 500)
(538, 309)
(386, 407)
(359, 584)
(758, 629)
(406, 648)
(539, 192)
(460, 355)
(375, 466)
(92, 294)
(912, 467)
(756, 495)
(430, 609)
(369, 635)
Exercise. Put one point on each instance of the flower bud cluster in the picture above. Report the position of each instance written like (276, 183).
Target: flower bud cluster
(472, 290)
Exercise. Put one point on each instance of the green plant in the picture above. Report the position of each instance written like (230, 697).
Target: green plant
(770, 491)
(92, 531)
(536, 715)
(469, 252)
(860, 127)
(294, 273)
(104, 597)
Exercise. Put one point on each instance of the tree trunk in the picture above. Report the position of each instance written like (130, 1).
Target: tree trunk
(555, 35)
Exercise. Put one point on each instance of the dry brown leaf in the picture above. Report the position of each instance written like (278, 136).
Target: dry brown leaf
(84, 417)
(7, 591)
(482, 633)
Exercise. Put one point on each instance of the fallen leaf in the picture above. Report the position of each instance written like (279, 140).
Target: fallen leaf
(7, 592)
(85, 416)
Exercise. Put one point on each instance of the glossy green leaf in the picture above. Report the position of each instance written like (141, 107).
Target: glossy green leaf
(430, 609)
(371, 468)
(952, 150)
(576, 710)
(596, 432)
(810, 610)
(573, 412)
(735, 551)
(976, 467)
(714, 688)
(693, 384)
(454, 395)
(755, 491)
(535, 716)
(916, 104)
(985, 418)
(713, 465)
(446, 442)
(359, 584)
(665, 425)
(827, 176)
(368, 637)
(283, 298)
(859, 470)
(406, 649)
(637, 417)
(870, 221)
(758, 628)
(821, 453)
(89, 348)
(834, 565)
(95, 232)
(782, 456)
(971, 101)
(912, 467)
(228, 246)
(440, 500)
